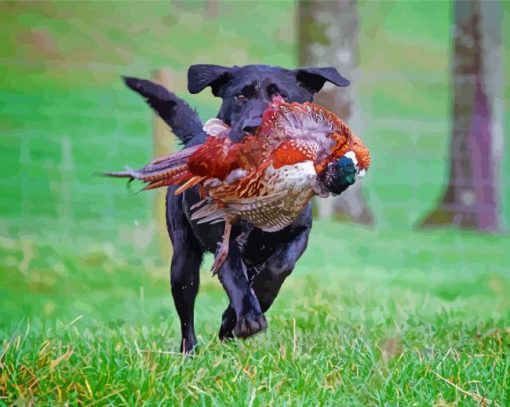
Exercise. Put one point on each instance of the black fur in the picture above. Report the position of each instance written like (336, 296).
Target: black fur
(258, 261)
(175, 112)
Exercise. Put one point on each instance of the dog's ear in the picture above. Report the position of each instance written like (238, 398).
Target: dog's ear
(203, 75)
(313, 78)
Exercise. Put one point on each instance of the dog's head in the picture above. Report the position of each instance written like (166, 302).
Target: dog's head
(246, 91)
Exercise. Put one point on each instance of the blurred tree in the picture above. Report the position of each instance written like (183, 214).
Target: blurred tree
(472, 199)
(212, 8)
(328, 36)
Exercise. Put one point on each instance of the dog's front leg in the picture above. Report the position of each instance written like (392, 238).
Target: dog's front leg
(243, 302)
(269, 279)
(185, 270)
(184, 279)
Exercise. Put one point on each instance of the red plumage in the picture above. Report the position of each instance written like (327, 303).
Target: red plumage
(268, 177)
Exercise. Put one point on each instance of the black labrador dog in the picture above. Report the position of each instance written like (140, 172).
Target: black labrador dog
(258, 262)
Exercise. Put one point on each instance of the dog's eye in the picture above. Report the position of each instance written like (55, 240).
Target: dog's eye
(240, 97)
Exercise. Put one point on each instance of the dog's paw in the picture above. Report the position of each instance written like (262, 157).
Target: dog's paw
(188, 346)
(225, 335)
(250, 325)
(228, 323)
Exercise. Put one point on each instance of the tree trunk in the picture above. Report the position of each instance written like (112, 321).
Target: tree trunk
(162, 137)
(328, 36)
(471, 199)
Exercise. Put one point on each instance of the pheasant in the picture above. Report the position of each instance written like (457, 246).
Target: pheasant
(299, 151)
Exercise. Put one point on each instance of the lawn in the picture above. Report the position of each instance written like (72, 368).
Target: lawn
(388, 316)
(368, 318)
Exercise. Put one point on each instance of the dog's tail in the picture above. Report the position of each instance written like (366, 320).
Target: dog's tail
(182, 119)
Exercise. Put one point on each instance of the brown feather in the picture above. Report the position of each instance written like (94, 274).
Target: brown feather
(189, 184)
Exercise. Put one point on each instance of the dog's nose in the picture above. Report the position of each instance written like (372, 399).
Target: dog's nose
(252, 124)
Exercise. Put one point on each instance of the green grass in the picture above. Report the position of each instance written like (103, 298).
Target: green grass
(377, 317)
(367, 318)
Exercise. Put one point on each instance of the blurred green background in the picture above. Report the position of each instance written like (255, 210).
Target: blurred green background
(76, 245)
(66, 114)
